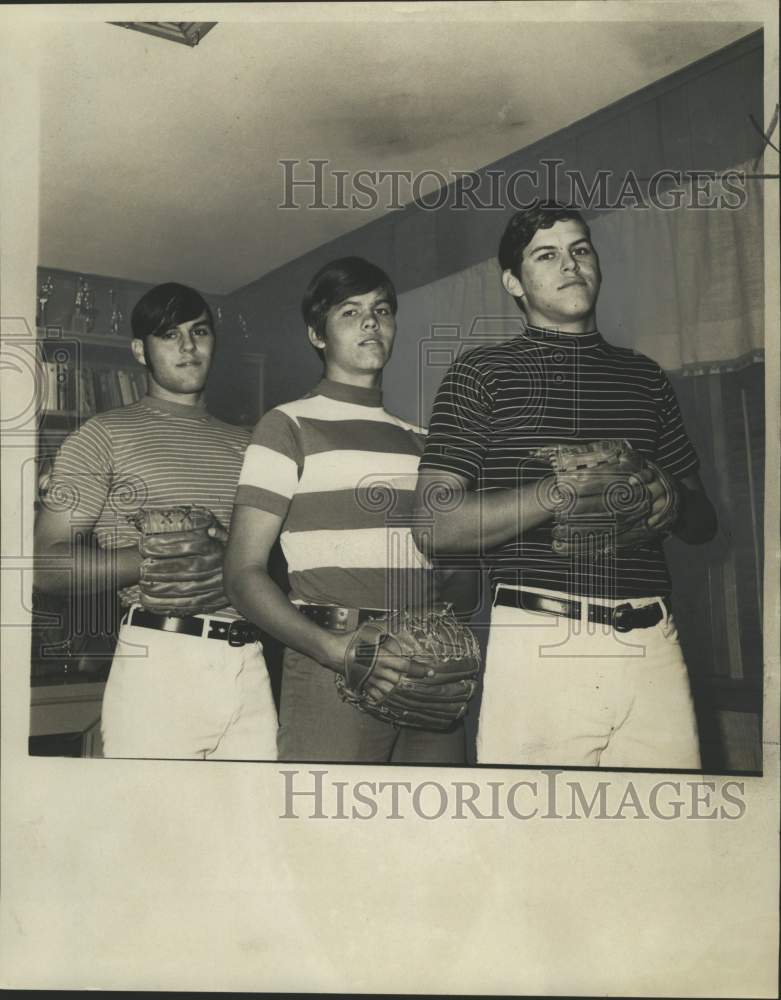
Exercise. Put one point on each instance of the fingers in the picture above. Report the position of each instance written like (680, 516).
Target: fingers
(389, 669)
(601, 481)
(659, 512)
(377, 689)
(657, 495)
(615, 491)
(392, 667)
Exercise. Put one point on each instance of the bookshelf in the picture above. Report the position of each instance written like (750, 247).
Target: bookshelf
(82, 376)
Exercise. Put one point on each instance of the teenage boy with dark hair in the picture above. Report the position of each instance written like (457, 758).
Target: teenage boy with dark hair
(179, 687)
(563, 684)
(332, 475)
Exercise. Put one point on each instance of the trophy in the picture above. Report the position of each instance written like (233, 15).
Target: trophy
(44, 294)
(242, 323)
(84, 314)
(116, 314)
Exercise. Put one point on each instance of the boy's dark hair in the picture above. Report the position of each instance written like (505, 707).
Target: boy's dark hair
(165, 306)
(339, 280)
(524, 224)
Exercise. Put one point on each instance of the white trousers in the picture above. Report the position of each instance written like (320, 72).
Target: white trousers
(559, 691)
(177, 696)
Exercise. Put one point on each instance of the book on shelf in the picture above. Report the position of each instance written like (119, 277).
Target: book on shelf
(138, 380)
(90, 389)
(60, 392)
(64, 391)
(50, 369)
(88, 406)
(126, 387)
(106, 394)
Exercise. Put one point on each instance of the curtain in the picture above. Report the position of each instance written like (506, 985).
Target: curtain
(685, 286)
(718, 587)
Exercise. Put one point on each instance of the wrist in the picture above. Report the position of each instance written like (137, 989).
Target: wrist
(332, 650)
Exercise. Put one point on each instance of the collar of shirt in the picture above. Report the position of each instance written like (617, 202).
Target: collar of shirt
(577, 341)
(197, 411)
(348, 393)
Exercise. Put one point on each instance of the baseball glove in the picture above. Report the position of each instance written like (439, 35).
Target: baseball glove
(410, 669)
(181, 571)
(604, 494)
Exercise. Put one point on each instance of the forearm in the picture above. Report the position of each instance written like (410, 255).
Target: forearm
(697, 521)
(253, 592)
(68, 568)
(482, 521)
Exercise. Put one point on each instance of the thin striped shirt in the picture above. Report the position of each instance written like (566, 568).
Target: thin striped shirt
(498, 403)
(341, 472)
(153, 453)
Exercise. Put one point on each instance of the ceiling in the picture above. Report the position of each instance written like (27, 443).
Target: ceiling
(161, 161)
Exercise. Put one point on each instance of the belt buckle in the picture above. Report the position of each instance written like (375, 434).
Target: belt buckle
(237, 634)
(338, 619)
(618, 615)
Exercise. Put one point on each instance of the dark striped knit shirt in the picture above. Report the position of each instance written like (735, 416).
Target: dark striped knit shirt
(153, 453)
(341, 473)
(498, 403)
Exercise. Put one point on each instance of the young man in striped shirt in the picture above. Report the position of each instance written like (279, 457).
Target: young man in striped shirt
(332, 475)
(559, 690)
(179, 687)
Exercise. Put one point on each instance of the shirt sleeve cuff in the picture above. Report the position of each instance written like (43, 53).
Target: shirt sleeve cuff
(254, 496)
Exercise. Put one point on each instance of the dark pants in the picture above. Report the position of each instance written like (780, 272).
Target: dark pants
(316, 725)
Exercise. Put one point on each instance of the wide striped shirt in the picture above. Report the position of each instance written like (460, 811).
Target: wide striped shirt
(340, 471)
(498, 403)
(153, 453)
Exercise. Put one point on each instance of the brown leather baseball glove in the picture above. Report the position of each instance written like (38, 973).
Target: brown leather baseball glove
(605, 492)
(434, 659)
(181, 572)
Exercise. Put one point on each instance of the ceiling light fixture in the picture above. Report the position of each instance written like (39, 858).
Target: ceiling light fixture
(185, 32)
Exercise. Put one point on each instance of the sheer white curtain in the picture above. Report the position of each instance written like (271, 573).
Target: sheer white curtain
(684, 286)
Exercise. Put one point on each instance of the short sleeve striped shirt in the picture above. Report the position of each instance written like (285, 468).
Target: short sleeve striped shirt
(341, 472)
(153, 453)
(498, 403)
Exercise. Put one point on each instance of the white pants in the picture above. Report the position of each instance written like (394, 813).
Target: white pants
(177, 696)
(562, 691)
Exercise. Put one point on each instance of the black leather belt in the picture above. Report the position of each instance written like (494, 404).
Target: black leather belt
(623, 618)
(236, 633)
(338, 619)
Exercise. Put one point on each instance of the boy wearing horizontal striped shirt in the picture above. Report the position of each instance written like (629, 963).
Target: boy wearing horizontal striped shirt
(332, 475)
(558, 689)
(179, 687)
